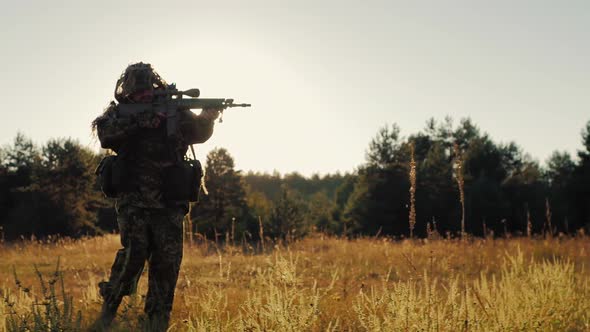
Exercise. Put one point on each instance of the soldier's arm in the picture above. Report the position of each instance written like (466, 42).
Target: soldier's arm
(197, 128)
(113, 130)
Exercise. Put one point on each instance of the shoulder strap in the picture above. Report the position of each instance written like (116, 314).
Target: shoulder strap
(193, 152)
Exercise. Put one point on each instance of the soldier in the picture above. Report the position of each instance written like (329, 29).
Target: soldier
(150, 225)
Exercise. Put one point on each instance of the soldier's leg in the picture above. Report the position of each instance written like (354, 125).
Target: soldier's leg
(164, 265)
(129, 261)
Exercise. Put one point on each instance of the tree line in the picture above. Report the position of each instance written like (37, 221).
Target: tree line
(52, 189)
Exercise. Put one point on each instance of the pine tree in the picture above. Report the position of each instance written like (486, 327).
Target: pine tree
(226, 201)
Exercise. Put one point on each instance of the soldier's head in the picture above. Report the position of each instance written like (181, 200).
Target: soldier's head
(137, 84)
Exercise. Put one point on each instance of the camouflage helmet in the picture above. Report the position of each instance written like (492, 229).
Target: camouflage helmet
(137, 77)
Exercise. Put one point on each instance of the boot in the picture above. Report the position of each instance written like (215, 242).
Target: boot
(109, 307)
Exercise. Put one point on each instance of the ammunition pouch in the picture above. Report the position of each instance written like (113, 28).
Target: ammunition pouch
(182, 181)
(112, 176)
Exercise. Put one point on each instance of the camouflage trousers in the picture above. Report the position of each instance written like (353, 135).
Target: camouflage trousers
(155, 236)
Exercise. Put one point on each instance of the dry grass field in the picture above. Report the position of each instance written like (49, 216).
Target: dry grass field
(320, 284)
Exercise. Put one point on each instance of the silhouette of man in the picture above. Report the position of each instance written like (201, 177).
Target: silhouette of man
(150, 225)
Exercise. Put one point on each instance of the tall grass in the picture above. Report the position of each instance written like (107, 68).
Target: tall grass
(538, 296)
(324, 284)
(548, 229)
(458, 167)
(412, 175)
(50, 309)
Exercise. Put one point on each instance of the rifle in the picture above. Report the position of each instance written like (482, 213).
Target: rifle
(170, 100)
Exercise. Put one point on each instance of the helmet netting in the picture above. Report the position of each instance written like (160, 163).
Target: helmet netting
(137, 77)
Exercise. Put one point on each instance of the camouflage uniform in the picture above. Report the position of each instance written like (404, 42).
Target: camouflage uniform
(150, 227)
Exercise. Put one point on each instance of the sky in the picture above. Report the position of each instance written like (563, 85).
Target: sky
(322, 76)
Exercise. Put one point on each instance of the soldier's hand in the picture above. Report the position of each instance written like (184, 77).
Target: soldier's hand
(210, 113)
